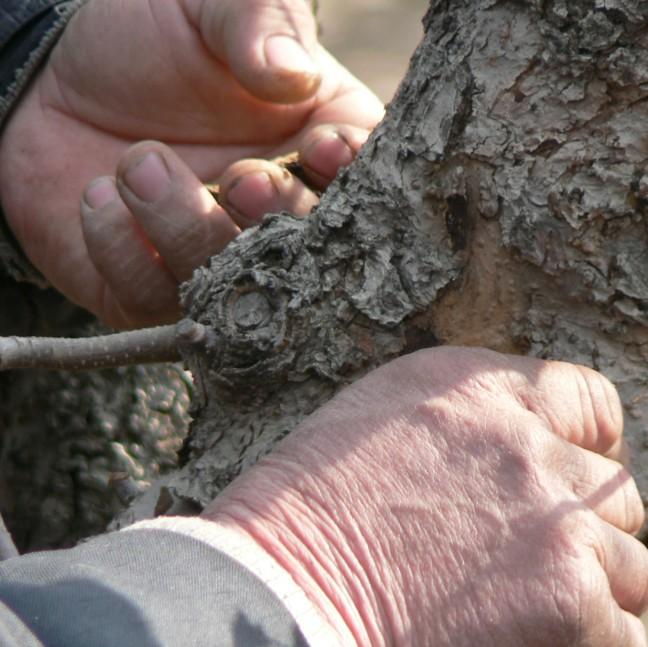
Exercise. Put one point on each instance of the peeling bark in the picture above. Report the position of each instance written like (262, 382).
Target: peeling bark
(500, 203)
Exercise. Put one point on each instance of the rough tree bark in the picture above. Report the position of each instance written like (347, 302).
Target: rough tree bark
(500, 203)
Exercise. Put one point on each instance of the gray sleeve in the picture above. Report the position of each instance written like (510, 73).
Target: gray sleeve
(142, 588)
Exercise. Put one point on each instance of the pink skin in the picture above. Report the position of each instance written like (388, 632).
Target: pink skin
(458, 497)
(217, 81)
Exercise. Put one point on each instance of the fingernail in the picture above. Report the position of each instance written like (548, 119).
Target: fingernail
(148, 178)
(328, 154)
(285, 53)
(100, 192)
(253, 195)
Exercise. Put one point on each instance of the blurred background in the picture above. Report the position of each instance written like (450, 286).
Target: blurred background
(373, 38)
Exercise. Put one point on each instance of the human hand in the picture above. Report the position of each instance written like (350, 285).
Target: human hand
(217, 80)
(457, 497)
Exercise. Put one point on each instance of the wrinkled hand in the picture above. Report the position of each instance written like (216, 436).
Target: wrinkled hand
(218, 81)
(458, 497)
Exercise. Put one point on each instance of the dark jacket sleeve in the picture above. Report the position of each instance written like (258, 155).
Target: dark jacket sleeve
(28, 31)
(141, 588)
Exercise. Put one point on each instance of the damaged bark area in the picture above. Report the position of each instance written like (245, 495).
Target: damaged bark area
(500, 203)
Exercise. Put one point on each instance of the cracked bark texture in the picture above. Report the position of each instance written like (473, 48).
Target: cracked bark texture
(501, 203)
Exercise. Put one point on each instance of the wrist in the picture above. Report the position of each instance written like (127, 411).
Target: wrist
(313, 533)
(234, 542)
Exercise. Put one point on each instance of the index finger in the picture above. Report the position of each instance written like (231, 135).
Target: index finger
(577, 403)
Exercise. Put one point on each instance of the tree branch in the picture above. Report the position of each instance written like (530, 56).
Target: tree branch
(146, 346)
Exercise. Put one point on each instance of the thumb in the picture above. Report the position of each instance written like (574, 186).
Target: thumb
(268, 45)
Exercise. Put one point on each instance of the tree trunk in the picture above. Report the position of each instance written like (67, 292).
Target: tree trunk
(500, 203)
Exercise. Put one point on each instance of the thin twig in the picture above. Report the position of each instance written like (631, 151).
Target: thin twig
(7, 547)
(145, 346)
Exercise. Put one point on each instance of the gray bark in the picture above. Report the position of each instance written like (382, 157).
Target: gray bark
(500, 203)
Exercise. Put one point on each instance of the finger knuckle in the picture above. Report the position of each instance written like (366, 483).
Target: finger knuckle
(634, 512)
(601, 407)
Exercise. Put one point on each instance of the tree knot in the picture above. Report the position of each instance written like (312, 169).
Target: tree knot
(251, 297)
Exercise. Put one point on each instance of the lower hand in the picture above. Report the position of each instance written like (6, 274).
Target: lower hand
(458, 497)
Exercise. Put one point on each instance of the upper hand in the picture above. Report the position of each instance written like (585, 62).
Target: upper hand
(216, 80)
(458, 497)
